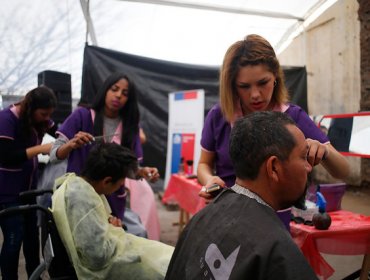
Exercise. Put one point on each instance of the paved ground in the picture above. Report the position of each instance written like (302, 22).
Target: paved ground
(353, 200)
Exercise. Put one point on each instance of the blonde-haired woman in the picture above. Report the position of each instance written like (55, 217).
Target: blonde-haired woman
(251, 80)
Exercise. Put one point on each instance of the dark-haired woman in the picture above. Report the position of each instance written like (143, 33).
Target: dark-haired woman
(22, 127)
(114, 115)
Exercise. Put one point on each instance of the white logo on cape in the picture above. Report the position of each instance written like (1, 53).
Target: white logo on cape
(220, 267)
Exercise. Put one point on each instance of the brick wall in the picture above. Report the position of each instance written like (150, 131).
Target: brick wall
(364, 18)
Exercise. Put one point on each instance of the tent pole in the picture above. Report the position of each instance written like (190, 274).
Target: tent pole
(217, 8)
(85, 4)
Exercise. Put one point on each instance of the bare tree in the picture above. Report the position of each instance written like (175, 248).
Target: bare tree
(32, 44)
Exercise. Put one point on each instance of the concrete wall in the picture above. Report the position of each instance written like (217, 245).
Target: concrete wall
(330, 49)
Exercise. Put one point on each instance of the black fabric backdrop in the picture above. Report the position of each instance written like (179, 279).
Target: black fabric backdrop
(154, 80)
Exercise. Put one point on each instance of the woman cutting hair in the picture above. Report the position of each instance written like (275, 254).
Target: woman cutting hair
(113, 117)
(251, 80)
(22, 127)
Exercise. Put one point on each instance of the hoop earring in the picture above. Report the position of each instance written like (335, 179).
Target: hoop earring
(275, 83)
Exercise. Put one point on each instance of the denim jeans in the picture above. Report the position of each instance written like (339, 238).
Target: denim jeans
(17, 229)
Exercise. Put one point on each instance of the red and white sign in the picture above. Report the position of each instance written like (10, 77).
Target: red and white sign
(185, 124)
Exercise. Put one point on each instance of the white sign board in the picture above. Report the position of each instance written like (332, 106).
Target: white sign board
(185, 124)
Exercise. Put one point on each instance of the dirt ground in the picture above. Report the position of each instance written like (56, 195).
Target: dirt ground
(354, 200)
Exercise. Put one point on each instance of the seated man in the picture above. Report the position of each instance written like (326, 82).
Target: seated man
(96, 243)
(239, 235)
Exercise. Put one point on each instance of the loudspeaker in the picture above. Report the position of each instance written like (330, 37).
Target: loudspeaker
(60, 83)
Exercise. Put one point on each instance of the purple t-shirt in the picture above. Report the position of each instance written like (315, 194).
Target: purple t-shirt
(23, 176)
(216, 134)
(81, 120)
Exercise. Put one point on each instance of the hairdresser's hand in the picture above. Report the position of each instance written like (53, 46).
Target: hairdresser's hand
(211, 181)
(38, 149)
(149, 173)
(45, 148)
(316, 152)
(80, 139)
(115, 221)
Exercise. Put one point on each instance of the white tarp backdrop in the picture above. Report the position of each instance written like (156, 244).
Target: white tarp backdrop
(43, 35)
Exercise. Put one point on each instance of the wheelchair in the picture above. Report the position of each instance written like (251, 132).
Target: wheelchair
(55, 264)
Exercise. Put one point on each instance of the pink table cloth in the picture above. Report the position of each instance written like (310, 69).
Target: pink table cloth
(142, 202)
(185, 192)
(349, 234)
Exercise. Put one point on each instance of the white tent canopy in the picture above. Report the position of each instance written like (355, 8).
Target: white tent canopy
(43, 35)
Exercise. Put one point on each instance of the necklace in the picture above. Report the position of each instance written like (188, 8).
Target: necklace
(244, 191)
